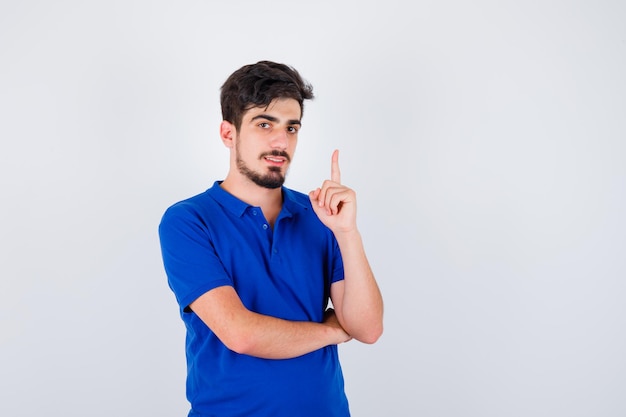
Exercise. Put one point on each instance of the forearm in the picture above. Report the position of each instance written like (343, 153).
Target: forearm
(272, 338)
(244, 331)
(361, 303)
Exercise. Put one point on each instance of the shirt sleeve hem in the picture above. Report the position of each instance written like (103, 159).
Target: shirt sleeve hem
(195, 294)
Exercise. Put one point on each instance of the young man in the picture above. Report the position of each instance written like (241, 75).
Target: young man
(253, 265)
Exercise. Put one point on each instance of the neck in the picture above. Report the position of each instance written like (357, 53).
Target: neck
(270, 200)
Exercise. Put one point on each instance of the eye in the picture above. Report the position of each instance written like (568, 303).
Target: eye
(292, 129)
(264, 125)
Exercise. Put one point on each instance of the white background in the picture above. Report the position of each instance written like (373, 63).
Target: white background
(486, 141)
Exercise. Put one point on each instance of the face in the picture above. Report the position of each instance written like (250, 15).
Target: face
(266, 142)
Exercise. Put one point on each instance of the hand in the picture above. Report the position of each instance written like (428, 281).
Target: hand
(330, 319)
(335, 204)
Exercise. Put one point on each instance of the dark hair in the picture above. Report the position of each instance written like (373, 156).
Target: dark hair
(256, 85)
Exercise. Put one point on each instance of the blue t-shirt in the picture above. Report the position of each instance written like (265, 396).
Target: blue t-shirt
(215, 239)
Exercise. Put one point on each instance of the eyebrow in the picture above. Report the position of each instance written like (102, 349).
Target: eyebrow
(275, 119)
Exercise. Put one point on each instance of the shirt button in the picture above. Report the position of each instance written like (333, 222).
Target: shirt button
(265, 226)
(254, 212)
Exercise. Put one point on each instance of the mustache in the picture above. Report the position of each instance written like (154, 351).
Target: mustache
(275, 152)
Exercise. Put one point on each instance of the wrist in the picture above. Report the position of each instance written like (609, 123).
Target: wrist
(347, 235)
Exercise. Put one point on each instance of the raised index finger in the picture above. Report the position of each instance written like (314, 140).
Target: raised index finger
(335, 174)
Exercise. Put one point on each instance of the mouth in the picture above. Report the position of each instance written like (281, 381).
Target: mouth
(276, 160)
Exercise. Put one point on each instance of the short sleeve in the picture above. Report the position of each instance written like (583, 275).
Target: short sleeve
(337, 263)
(189, 257)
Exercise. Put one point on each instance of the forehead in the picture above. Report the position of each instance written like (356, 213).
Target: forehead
(280, 109)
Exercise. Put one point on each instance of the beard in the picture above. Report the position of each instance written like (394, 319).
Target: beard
(274, 178)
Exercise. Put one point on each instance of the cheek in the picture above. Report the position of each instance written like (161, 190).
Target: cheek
(292, 145)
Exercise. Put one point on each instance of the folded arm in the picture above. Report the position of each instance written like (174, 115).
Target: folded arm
(250, 333)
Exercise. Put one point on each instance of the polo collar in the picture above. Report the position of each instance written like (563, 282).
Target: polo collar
(291, 205)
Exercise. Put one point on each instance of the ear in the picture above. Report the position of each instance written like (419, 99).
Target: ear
(227, 133)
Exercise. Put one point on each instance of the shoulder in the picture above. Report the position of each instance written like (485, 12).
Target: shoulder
(189, 207)
(297, 200)
(298, 206)
(193, 212)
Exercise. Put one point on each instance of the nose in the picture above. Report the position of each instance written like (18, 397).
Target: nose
(279, 140)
